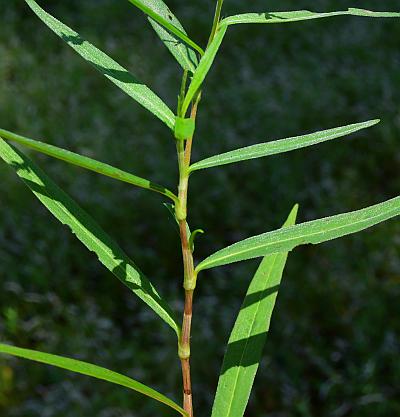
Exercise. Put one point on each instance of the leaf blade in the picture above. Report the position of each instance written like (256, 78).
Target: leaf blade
(87, 231)
(248, 335)
(203, 67)
(117, 74)
(87, 163)
(89, 369)
(299, 15)
(279, 146)
(314, 232)
(171, 32)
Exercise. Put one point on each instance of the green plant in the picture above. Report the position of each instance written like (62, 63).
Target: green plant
(249, 333)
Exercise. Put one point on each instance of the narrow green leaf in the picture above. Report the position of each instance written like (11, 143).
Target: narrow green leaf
(279, 146)
(248, 335)
(192, 237)
(368, 13)
(185, 56)
(91, 370)
(316, 231)
(87, 163)
(159, 12)
(203, 67)
(86, 230)
(295, 16)
(107, 66)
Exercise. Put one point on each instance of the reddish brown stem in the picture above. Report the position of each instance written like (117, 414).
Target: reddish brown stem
(185, 362)
(184, 342)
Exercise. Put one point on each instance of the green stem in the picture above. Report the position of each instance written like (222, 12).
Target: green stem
(217, 18)
(184, 150)
(189, 282)
(182, 93)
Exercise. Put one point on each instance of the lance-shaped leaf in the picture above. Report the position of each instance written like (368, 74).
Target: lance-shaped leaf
(295, 16)
(248, 335)
(107, 66)
(170, 31)
(203, 67)
(86, 230)
(279, 146)
(88, 163)
(91, 370)
(316, 231)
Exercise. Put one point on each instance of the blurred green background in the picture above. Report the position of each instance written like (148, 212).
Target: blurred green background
(334, 345)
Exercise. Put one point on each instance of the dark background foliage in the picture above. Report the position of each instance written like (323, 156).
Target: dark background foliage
(334, 345)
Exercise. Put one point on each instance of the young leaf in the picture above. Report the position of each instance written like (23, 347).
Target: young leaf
(295, 16)
(203, 67)
(91, 370)
(316, 231)
(279, 146)
(86, 230)
(248, 335)
(108, 67)
(170, 31)
(88, 163)
(192, 237)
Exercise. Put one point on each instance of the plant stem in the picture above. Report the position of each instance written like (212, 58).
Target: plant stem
(193, 114)
(217, 17)
(189, 281)
(184, 352)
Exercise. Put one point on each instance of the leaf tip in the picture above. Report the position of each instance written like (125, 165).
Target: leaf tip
(291, 220)
(294, 211)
